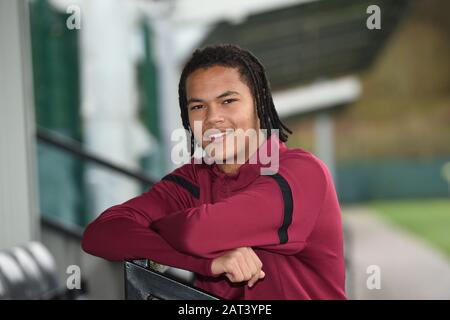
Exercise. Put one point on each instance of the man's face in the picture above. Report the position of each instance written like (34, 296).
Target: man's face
(219, 99)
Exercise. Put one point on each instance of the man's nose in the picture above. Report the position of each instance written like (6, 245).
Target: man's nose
(213, 116)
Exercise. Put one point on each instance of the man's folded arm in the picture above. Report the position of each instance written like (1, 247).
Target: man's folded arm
(122, 232)
(275, 213)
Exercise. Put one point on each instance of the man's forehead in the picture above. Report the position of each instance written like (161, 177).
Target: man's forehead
(213, 82)
(213, 75)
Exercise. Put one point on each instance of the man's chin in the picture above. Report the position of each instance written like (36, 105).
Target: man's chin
(231, 159)
(221, 158)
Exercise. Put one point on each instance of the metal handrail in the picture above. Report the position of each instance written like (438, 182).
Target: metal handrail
(73, 231)
(77, 150)
(142, 283)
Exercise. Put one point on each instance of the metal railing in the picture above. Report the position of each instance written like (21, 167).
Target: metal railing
(77, 150)
(142, 283)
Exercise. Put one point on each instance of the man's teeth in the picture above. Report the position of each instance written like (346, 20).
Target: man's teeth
(215, 136)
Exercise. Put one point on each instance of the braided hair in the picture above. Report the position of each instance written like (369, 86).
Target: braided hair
(251, 72)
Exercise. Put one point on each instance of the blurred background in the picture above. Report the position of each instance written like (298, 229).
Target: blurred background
(88, 102)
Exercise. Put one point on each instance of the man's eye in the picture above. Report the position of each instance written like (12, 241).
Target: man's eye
(199, 106)
(228, 101)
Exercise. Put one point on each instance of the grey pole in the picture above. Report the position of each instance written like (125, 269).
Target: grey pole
(18, 200)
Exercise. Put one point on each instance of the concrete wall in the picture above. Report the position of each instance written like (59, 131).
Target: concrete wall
(18, 204)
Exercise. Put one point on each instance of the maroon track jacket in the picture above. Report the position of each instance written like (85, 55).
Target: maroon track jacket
(291, 219)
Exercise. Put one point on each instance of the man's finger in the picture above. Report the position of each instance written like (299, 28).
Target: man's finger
(236, 273)
(252, 262)
(253, 280)
(256, 259)
(246, 269)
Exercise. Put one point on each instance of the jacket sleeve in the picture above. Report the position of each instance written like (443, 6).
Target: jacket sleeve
(275, 213)
(122, 232)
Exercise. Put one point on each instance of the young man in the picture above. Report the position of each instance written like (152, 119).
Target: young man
(246, 235)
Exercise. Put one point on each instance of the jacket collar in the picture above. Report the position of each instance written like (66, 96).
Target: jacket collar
(251, 169)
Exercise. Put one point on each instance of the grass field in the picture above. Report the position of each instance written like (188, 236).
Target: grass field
(428, 219)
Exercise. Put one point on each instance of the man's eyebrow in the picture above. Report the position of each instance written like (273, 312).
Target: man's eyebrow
(190, 100)
(225, 94)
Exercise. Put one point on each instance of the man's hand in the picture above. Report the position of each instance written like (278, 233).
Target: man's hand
(241, 264)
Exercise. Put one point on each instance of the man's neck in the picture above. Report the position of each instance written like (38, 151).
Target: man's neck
(233, 168)
(229, 168)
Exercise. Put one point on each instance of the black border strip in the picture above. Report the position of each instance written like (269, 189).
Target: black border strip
(193, 189)
(288, 207)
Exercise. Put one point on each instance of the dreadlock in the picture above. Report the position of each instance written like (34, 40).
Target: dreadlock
(251, 72)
